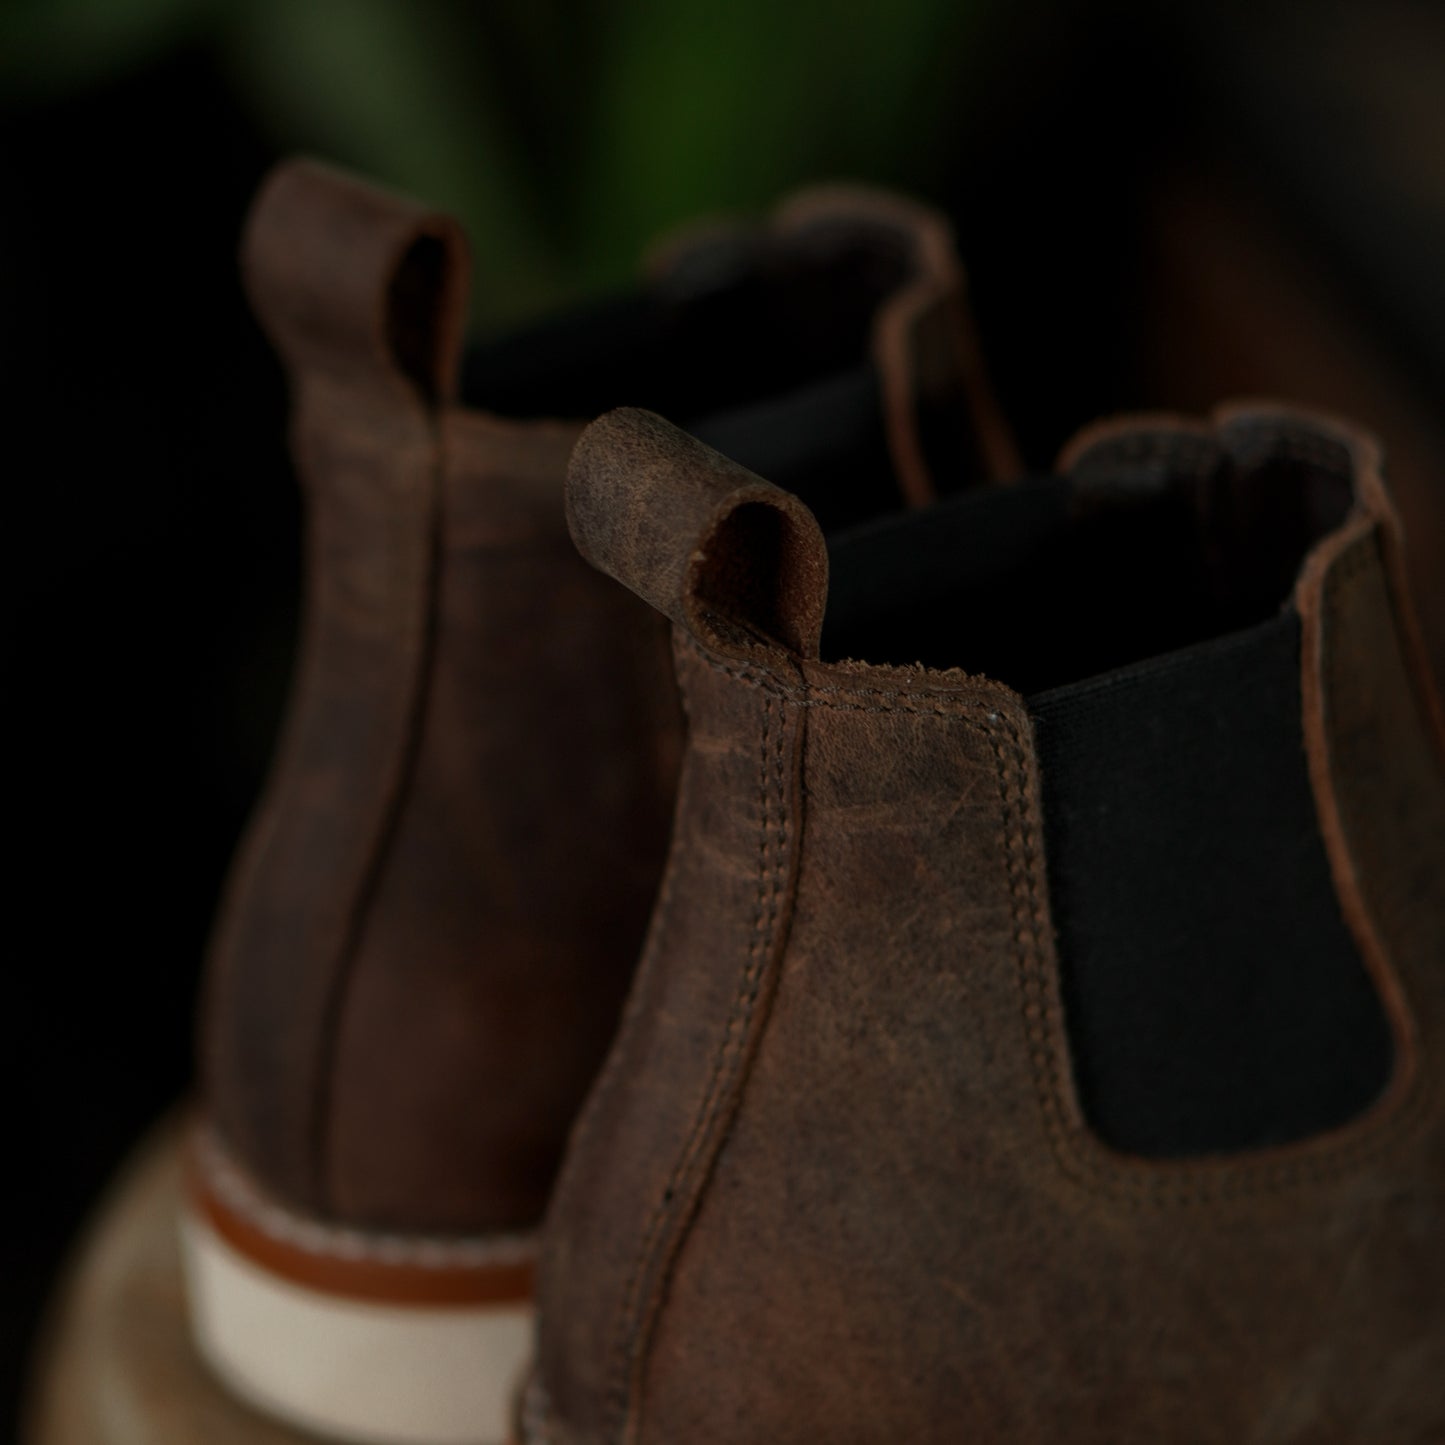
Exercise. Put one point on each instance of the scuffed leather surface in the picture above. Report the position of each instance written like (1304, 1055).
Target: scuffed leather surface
(907, 1232)
(650, 505)
(643, 1148)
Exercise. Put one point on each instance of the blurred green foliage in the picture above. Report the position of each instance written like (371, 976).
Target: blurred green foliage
(565, 133)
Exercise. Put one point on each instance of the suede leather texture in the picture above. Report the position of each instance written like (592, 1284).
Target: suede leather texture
(431, 924)
(834, 1183)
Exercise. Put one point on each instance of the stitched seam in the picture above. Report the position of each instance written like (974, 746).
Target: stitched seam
(392, 799)
(612, 1068)
(1133, 1181)
(537, 1414)
(327, 1241)
(654, 1255)
(741, 1008)
(1037, 1003)
(1365, 557)
(536, 1418)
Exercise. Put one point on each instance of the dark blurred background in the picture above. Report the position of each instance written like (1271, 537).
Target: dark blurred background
(1160, 204)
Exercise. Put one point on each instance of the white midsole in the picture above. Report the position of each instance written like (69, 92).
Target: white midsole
(374, 1374)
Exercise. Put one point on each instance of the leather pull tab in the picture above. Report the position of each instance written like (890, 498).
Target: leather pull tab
(1138, 452)
(352, 280)
(738, 562)
(939, 404)
(1222, 458)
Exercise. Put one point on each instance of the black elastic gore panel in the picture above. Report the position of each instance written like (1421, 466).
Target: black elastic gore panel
(1215, 999)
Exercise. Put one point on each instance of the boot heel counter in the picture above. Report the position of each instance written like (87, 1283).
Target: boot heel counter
(362, 295)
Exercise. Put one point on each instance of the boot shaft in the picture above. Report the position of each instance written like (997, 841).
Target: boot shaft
(839, 1178)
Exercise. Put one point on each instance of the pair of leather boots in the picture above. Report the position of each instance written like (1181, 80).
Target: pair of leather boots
(930, 957)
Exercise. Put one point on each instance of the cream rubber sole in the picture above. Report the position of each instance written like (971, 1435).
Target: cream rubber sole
(373, 1340)
(353, 1369)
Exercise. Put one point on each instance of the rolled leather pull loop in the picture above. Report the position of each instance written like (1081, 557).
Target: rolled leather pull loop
(737, 562)
(349, 279)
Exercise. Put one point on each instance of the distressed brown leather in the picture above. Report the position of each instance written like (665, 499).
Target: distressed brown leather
(834, 1184)
(431, 923)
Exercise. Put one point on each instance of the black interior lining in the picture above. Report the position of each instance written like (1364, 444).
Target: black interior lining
(1055, 580)
(762, 350)
(764, 320)
(825, 442)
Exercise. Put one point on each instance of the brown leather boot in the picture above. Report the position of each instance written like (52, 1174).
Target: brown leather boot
(1056, 1055)
(434, 917)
